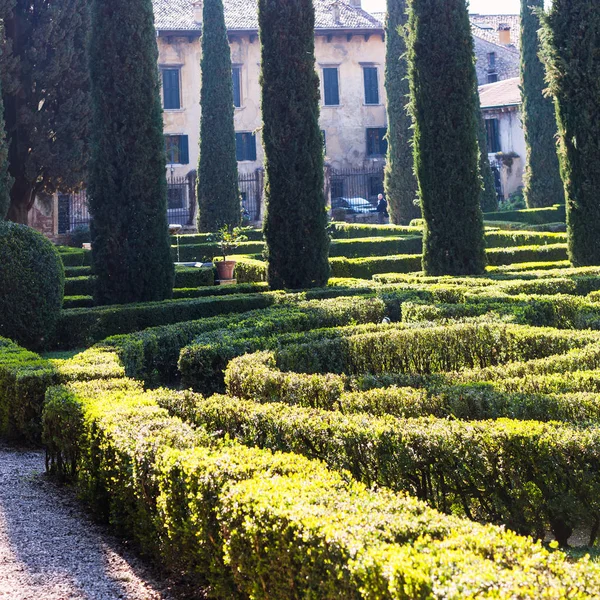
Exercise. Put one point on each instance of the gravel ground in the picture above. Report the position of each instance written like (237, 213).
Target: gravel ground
(49, 548)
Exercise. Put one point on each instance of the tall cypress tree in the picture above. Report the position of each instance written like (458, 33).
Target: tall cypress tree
(443, 88)
(46, 98)
(400, 180)
(543, 185)
(127, 182)
(572, 51)
(5, 178)
(296, 220)
(218, 193)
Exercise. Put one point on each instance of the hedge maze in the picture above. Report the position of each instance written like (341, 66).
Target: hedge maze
(389, 436)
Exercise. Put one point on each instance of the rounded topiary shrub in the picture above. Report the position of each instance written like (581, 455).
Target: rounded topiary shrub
(32, 280)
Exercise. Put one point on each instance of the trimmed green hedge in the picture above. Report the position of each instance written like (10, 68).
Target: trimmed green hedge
(255, 377)
(430, 350)
(533, 216)
(25, 377)
(251, 523)
(75, 257)
(527, 475)
(202, 363)
(206, 252)
(382, 246)
(79, 286)
(341, 230)
(78, 301)
(190, 277)
(509, 256)
(81, 327)
(190, 239)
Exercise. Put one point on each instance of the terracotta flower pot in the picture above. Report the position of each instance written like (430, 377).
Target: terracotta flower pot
(225, 269)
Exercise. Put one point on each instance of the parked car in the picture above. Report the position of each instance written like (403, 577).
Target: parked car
(353, 205)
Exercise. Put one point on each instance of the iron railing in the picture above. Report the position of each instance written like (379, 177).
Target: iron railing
(364, 183)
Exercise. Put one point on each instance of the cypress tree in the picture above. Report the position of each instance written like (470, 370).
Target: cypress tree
(5, 178)
(127, 181)
(218, 193)
(296, 219)
(489, 198)
(400, 181)
(46, 99)
(572, 51)
(543, 185)
(443, 88)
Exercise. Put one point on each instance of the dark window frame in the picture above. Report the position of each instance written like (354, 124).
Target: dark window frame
(236, 75)
(376, 142)
(492, 130)
(331, 92)
(371, 87)
(177, 147)
(245, 146)
(171, 94)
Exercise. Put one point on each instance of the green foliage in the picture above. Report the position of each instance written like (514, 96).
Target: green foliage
(83, 326)
(427, 458)
(6, 180)
(79, 235)
(219, 202)
(203, 362)
(296, 218)
(254, 523)
(359, 230)
(45, 84)
(532, 216)
(32, 284)
(127, 186)
(377, 246)
(443, 86)
(206, 251)
(228, 239)
(400, 181)
(571, 46)
(543, 184)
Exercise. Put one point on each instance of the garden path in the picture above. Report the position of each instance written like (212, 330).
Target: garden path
(50, 550)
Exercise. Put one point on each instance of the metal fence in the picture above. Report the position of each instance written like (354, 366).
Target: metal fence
(356, 183)
(181, 200)
(72, 211)
(251, 190)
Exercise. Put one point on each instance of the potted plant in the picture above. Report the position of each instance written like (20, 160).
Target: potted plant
(228, 239)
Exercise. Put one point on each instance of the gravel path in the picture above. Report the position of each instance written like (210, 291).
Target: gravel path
(50, 550)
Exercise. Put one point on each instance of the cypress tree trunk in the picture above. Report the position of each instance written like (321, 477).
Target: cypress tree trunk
(5, 178)
(489, 197)
(46, 98)
(127, 182)
(400, 180)
(218, 193)
(543, 185)
(572, 51)
(444, 102)
(296, 220)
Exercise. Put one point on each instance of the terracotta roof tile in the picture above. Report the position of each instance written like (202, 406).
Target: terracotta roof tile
(178, 15)
(501, 93)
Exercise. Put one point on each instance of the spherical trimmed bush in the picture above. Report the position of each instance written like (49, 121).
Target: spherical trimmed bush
(32, 281)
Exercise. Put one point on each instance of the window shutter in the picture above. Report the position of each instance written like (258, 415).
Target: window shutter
(251, 155)
(331, 87)
(237, 97)
(239, 146)
(383, 144)
(184, 150)
(371, 85)
(171, 98)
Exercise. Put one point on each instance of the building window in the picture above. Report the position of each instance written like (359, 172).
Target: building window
(177, 148)
(376, 142)
(492, 77)
(236, 74)
(493, 135)
(245, 146)
(371, 85)
(492, 61)
(170, 84)
(331, 88)
(175, 197)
